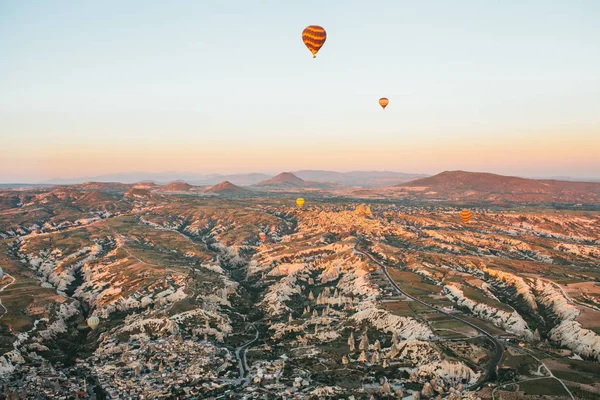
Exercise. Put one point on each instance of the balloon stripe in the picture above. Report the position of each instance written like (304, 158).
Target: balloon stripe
(314, 33)
(314, 42)
(314, 36)
(465, 215)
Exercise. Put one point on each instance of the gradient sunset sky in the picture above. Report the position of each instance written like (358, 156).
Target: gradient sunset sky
(97, 87)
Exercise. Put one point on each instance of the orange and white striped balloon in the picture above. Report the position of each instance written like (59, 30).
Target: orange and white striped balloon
(314, 37)
(383, 102)
(465, 215)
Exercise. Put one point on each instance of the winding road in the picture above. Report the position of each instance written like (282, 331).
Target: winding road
(492, 369)
(243, 362)
(2, 289)
(567, 297)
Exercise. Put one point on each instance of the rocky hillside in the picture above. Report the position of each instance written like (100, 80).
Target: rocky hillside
(287, 180)
(475, 186)
(175, 187)
(227, 188)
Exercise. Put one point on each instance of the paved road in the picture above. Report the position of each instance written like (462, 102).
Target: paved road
(491, 371)
(243, 363)
(4, 287)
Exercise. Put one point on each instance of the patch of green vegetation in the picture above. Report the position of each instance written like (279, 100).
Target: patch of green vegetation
(480, 297)
(487, 326)
(538, 387)
(395, 241)
(419, 308)
(522, 364)
(438, 302)
(565, 280)
(413, 284)
(582, 394)
(590, 367)
(400, 308)
(573, 377)
(449, 324)
(184, 305)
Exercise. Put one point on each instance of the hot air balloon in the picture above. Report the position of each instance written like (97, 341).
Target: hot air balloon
(262, 236)
(465, 215)
(314, 37)
(93, 322)
(300, 201)
(383, 102)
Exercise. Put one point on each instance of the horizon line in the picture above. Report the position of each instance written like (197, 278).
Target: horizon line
(103, 178)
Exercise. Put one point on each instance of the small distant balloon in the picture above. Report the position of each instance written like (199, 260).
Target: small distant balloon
(300, 201)
(314, 37)
(262, 236)
(465, 215)
(93, 322)
(383, 102)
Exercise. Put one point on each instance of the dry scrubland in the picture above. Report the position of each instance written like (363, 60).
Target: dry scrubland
(199, 297)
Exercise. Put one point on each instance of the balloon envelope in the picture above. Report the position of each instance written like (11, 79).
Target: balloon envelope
(300, 202)
(383, 102)
(465, 215)
(93, 322)
(314, 37)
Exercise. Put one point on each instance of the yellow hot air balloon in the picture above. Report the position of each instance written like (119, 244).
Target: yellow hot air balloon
(300, 201)
(314, 37)
(93, 322)
(383, 102)
(465, 215)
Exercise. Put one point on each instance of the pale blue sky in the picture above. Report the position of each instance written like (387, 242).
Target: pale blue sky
(94, 87)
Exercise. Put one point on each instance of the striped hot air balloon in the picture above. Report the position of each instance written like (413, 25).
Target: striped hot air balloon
(465, 215)
(93, 322)
(300, 202)
(314, 37)
(383, 102)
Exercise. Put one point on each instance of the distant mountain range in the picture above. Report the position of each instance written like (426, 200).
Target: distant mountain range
(235, 179)
(460, 186)
(476, 186)
(356, 178)
(167, 177)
